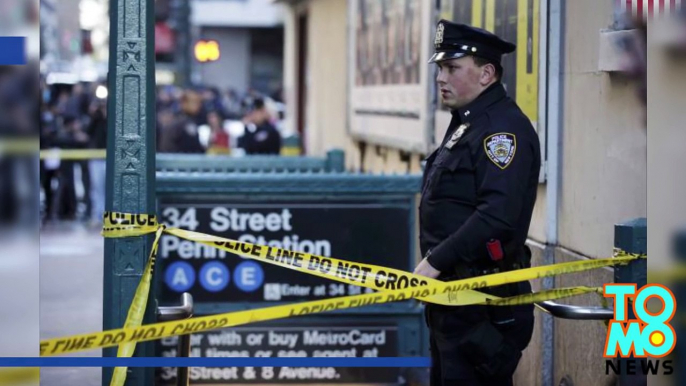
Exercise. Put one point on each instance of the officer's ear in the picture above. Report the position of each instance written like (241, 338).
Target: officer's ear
(488, 74)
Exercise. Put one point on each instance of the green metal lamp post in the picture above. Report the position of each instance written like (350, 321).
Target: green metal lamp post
(130, 164)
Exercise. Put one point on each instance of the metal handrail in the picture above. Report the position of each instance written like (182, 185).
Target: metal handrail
(183, 311)
(565, 311)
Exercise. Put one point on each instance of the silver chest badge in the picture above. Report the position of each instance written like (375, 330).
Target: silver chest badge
(457, 135)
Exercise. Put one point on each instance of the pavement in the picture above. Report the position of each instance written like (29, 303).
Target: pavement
(71, 280)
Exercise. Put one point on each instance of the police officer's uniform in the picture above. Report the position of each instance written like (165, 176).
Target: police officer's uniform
(478, 195)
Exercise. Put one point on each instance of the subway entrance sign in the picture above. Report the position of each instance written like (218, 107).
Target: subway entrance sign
(359, 218)
(343, 229)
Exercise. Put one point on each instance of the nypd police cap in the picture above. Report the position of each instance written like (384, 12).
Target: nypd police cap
(455, 40)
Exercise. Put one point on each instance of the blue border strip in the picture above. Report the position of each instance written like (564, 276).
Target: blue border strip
(213, 362)
(12, 50)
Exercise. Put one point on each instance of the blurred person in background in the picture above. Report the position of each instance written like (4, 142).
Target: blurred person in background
(212, 101)
(219, 139)
(166, 105)
(249, 99)
(261, 136)
(61, 102)
(77, 106)
(232, 104)
(48, 167)
(70, 136)
(77, 103)
(165, 99)
(19, 107)
(165, 119)
(181, 136)
(97, 132)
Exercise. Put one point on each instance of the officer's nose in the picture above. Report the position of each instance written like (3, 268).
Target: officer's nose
(441, 77)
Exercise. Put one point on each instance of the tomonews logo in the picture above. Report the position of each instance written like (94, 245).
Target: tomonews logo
(649, 335)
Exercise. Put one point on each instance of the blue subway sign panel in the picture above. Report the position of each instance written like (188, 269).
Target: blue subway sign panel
(356, 231)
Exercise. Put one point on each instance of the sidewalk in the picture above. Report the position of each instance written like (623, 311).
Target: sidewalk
(71, 274)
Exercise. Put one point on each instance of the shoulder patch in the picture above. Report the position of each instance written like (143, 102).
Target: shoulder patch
(500, 148)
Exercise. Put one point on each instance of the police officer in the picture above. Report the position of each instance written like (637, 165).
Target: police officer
(478, 195)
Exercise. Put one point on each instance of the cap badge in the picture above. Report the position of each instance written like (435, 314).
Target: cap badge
(439, 34)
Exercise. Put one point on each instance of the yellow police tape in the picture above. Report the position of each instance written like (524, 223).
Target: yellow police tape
(19, 375)
(395, 285)
(73, 154)
(675, 274)
(19, 146)
(456, 293)
(366, 275)
(28, 146)
(154, 331)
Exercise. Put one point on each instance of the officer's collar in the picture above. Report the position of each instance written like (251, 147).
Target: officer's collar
(492, 94)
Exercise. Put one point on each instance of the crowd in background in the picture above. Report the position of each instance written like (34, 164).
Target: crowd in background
(189, 120)
(72, 117)
(182, 115)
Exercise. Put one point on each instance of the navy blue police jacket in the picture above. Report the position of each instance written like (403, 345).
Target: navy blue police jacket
(479, 187)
